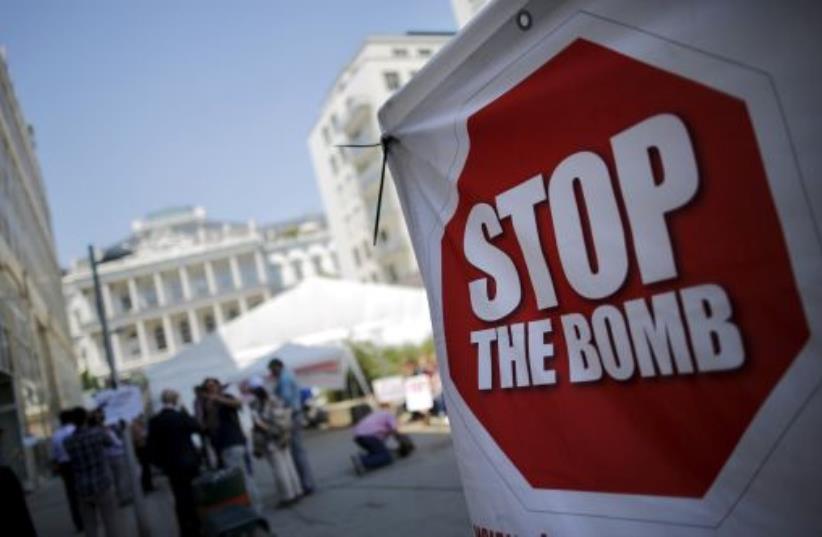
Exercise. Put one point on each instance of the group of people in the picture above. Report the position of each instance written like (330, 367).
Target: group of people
(182, 444)
(276, 436)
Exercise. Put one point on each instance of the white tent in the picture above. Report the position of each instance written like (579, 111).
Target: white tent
(320, 313)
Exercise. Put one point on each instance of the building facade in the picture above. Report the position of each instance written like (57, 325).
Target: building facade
(179, 276)
(464, 10)
(37, 372)
(349, 178)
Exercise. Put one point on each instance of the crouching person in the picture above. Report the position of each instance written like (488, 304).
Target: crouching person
(370, 434)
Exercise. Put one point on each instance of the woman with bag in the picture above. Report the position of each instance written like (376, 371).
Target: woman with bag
(271, 439)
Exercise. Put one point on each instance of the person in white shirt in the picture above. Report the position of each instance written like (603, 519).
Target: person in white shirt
(62, 464)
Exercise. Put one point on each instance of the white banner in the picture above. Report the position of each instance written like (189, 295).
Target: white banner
(418, 396)
(612, 205)
(389, 389)
(124, 403)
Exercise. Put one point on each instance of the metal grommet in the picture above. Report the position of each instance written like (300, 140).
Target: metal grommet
(524, 20)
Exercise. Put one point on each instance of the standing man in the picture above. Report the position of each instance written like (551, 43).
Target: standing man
(63, 465)
(170, 447)
(92, 477)
(287, 389)
(225, 433)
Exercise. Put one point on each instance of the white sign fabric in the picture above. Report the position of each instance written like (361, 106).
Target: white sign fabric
(389, 389)
(615, 207)
(418, 396)
(125, 403)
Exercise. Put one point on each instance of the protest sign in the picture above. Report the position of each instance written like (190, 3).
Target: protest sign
(607, 203)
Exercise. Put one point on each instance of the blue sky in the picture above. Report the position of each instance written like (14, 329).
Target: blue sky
(143, 105)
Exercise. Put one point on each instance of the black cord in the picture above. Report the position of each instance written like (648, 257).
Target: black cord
(385, 143)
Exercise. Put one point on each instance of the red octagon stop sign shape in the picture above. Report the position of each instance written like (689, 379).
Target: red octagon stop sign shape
(618, 296)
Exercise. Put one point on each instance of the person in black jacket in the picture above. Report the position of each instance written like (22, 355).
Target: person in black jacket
(170, 448)
(16, 517)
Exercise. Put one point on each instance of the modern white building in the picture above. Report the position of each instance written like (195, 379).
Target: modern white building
(349, 178)
(37, 372)
(464, 10)
(179, 276)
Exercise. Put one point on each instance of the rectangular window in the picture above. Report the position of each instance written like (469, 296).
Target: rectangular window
(357, 260)
(160, 338)
(185, 331)
(297, 269)
(424, 52)
(392, 80)
(275, 275)
(125, 302)
(133, 343)
(317, 261)
(400, 52)
(208, 322)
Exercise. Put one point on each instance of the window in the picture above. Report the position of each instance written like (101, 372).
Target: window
(208, 321)
(133, 343)
(317, 261)
(366, 249)
(392, 80)
(275, 275)
(383, 235)
(125, 302)
(424, 52)
(333, 163)
(160, 338)
(297, 269)
(185, 331)
(357, 260)
(400, 52)
(232, 313)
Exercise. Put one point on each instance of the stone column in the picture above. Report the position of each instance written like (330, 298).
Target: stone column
(194, 325)
(142, 340)
(132, 293)
(262, 274)
(168, 328)
(236, 277)
(243, 305)
(116, 347)
(218, 315)
(185, 284)
(212, 284)
(159, 289)
(107, 303)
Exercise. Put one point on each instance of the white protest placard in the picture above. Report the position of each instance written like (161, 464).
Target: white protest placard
(418, 396)
(612, 205)
(389, 389)
(124, 403)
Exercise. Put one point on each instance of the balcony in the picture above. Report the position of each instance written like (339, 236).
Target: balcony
(356, 118)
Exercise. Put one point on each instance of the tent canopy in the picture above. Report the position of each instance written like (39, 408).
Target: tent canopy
(304, 326)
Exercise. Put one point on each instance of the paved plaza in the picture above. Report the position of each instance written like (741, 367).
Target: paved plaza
(414, 496)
